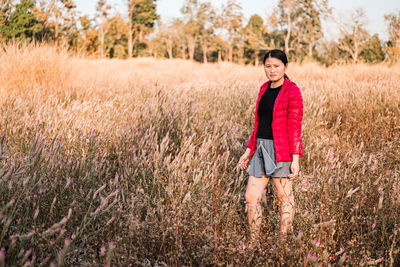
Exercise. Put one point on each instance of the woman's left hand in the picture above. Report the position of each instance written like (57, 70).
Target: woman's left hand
(294, 167)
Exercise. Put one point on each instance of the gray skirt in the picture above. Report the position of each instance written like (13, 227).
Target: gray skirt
(263, 161)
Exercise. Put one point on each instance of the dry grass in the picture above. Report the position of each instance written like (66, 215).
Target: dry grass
(133, 162)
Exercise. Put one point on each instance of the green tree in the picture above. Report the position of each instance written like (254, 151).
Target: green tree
(393, 48)
(5, 11)
(254, 34)
(142, 16)
(373, 52)
(22, 23)
(116, 39)
(310, 14)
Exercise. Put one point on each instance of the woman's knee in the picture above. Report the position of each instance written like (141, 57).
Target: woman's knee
(255, 189)
(252, 197)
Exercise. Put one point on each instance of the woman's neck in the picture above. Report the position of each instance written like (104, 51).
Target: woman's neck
(277, 83)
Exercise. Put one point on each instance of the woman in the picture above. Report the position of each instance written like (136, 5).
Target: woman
(275, 145)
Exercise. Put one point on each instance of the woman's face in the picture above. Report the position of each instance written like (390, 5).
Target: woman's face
(274, 69)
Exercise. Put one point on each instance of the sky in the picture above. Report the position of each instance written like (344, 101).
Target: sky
(374, 10)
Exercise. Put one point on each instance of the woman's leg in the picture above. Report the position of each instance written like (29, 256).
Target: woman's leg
(285, 186)
(254, 193)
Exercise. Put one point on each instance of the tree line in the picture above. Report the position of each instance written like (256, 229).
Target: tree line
(203, 33)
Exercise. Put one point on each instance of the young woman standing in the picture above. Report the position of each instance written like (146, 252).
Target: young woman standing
(275, 145)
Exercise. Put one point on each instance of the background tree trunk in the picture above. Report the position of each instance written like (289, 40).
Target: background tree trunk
(230, 52)
(169, 48)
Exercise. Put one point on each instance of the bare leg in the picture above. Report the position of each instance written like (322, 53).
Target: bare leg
(285, 186)
(254, 193)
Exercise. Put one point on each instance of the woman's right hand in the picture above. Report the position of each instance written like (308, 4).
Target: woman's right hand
(244, 159)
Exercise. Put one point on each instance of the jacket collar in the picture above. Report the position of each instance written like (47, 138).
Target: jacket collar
(285, 84)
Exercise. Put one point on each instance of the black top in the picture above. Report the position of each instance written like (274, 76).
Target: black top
(265, 109)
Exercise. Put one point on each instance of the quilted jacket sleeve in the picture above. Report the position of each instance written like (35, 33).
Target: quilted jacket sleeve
(295, 116)
(251, 141)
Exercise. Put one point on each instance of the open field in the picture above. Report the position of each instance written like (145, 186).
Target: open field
(133, 163)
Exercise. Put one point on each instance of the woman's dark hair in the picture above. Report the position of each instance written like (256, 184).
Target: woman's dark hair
(278, 54)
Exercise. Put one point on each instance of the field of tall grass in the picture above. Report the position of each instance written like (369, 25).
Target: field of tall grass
(133, 163)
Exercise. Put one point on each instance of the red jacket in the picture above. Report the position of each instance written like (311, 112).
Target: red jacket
(286, 122)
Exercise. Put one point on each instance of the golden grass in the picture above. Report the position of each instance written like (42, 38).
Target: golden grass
(141, 154)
